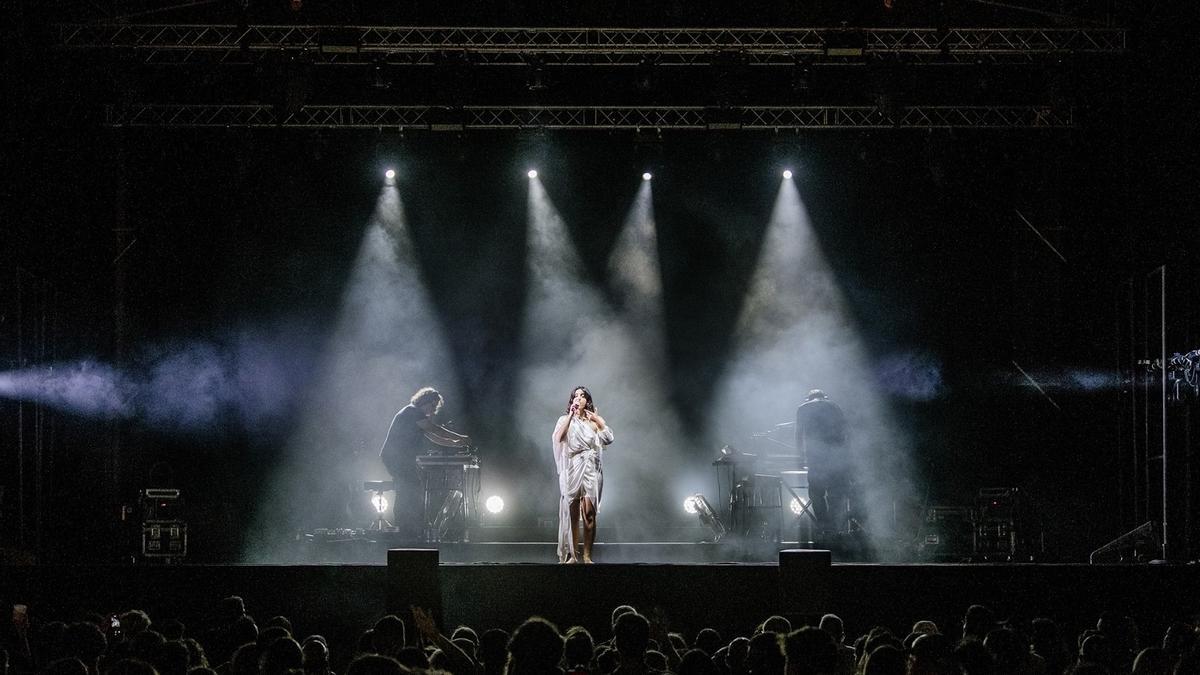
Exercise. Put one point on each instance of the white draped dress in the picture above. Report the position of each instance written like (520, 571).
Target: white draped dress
(579, 472)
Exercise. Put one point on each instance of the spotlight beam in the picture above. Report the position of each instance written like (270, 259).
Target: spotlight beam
(796, 333)
(573, 336)
(387, 342)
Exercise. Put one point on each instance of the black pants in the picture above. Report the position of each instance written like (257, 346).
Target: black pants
(408, 509)
(832, 502)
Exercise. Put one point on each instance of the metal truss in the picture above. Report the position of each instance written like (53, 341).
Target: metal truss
(589, 117)
(172, 43)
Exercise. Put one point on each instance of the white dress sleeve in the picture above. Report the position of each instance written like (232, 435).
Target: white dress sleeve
(606, 436)
(559, 447)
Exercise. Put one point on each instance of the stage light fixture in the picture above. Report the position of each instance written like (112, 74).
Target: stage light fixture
(494, 504)
(532, 173)
(536, 82)
(689, 505)
(336, 40)
(380, 503)
(379, 79)
(390, 174)
(798, 505)
(647, 176)
(787, 174)
(708, 517)
(645, 75)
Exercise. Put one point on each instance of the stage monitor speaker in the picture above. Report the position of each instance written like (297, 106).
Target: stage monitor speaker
(1141, 544)
(805, 582)
(413, 581)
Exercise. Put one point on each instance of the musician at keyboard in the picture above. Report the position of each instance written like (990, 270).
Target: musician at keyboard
(412, 429)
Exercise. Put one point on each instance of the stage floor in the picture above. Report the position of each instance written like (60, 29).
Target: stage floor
(528, 552)
(372, 549)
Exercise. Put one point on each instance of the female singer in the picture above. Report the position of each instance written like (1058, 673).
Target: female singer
(579, 439)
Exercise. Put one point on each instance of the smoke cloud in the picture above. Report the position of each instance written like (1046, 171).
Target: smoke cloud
(913, 377)
(387, 343)
(87, 388)
(247, 378)
(795, 334)
(1061, 380)
(573, 337)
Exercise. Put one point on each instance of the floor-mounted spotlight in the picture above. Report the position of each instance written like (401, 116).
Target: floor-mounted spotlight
(390, 174)
(698, 505)
(647, 176)
(787, 174)
(532, 173)
(379, 502)
(494, 504)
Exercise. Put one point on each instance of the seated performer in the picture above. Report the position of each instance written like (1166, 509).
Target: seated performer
(821, 440)
(579, 439)
(411, 428)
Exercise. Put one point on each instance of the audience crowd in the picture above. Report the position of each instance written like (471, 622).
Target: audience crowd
(236, 644)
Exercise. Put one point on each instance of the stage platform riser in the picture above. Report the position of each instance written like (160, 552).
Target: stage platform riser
(343, 599)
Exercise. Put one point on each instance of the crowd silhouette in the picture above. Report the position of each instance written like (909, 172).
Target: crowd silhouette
(233, 643)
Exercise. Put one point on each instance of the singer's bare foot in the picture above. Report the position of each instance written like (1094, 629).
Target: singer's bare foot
(572, 560)
(587, 560)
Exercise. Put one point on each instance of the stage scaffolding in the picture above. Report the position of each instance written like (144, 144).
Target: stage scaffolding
(632, 118)
(28, 329)
(514, 46)
(862, 60)
(1158, 423)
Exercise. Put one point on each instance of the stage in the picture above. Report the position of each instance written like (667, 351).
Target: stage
(246, 236)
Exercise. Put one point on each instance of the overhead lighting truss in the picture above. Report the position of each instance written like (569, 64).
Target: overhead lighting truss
(181, 44)
(684, 118)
